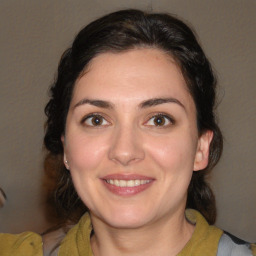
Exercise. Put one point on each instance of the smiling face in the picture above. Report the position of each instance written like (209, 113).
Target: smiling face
(131, 138)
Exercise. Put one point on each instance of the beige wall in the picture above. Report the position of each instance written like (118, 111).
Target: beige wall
(34, 34)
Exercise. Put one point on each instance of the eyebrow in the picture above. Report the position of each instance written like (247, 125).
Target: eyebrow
(144, 104)
(96, 103)
(158, 101)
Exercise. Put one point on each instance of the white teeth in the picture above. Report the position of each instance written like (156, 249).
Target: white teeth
(122, 183)
(130, 183)
(137, 182)
(127, 183)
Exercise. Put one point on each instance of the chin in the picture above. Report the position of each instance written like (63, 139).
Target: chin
(127, 222)
(126, 219)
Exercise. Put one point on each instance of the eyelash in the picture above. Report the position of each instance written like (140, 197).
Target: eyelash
(104, 122)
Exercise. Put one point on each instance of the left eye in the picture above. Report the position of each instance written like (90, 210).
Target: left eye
(159, 120)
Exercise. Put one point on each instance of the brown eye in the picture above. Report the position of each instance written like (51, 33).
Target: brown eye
(160, 120)
(95, 120)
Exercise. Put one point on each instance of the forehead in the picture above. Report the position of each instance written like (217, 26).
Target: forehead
(134, 74)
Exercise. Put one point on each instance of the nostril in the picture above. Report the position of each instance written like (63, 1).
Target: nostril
(2, 198)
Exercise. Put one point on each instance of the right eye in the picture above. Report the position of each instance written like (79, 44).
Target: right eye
(95, 120)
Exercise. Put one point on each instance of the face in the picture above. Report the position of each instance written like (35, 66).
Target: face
(131, 138)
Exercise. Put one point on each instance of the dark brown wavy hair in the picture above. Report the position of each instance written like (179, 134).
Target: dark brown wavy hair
(117, 32)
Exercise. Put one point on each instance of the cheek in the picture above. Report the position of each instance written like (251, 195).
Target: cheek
(85, 153)
(173, 153)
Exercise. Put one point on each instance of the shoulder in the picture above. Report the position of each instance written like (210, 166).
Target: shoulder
(205, 238)
(27, 244)
(77, 240)
(211, 241)
(231, 245)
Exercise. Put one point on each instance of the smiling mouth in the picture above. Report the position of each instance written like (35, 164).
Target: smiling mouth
(127, 183)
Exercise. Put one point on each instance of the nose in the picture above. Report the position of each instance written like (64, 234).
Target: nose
(126, 146)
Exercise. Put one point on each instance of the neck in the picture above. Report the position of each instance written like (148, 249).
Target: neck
(165, 237)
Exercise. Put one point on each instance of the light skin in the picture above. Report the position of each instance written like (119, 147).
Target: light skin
(132, 118)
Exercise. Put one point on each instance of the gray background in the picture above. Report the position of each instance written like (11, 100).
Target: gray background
(33, 35)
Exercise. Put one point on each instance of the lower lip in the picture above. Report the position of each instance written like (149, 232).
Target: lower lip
(127, 191)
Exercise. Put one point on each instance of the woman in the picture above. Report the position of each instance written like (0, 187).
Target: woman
(132, 131)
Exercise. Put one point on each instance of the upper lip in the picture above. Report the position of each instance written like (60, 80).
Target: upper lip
(117, 176)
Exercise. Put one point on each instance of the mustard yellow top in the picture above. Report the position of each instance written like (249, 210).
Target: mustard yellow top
(204, 240)
(24, 244)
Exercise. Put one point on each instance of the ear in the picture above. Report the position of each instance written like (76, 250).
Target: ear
(64, 154)
(202, 152)
(62, 140)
